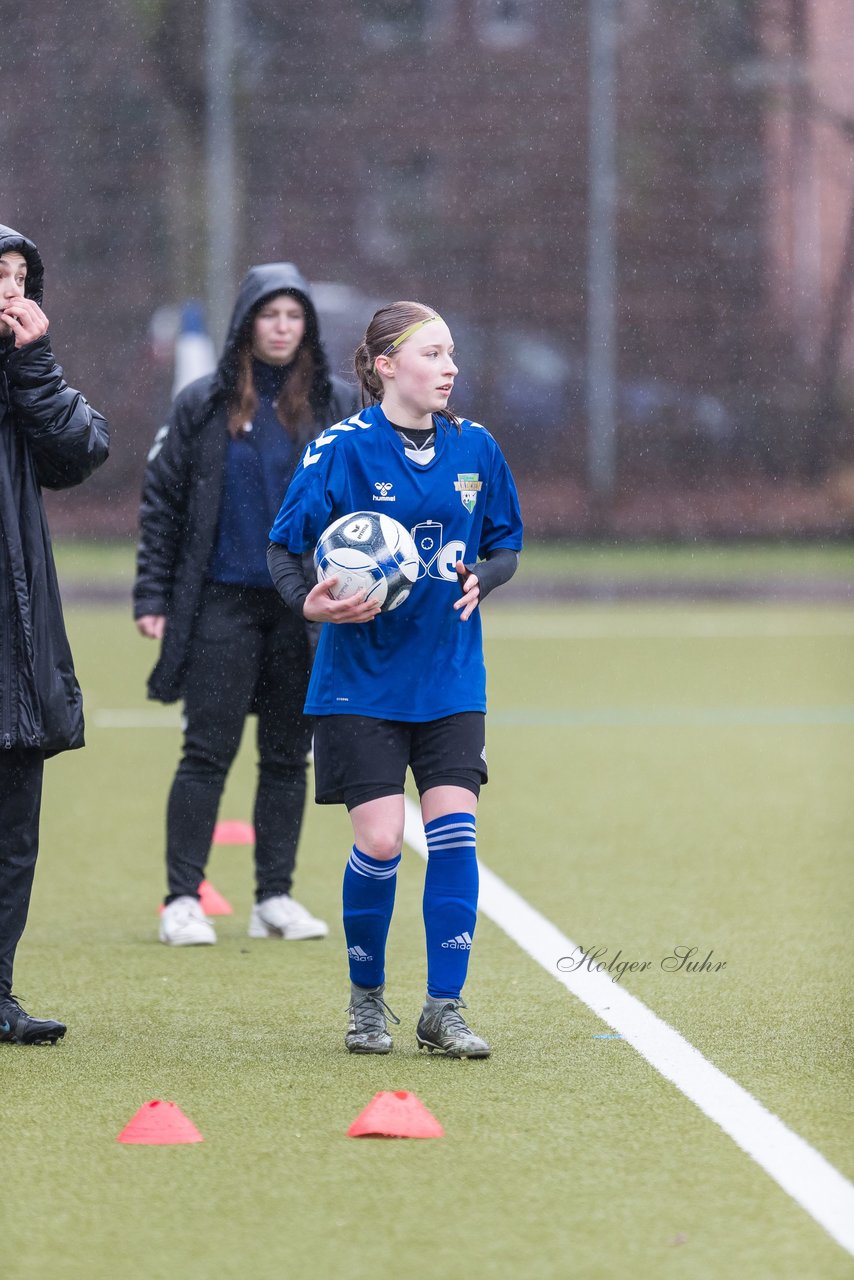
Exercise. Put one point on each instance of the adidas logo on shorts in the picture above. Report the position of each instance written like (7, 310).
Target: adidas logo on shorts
(462, 942)
(356, 953)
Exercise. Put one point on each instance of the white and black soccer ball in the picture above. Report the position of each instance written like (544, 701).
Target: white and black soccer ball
(370, 552)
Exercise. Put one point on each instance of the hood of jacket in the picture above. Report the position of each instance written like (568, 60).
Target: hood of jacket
(13, 242)
(259, 284)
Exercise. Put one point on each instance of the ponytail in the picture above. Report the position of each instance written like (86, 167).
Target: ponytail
(369, 380)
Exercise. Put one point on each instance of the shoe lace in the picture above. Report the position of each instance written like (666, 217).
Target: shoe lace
(452, 1020)
(369, 1014)
(11, 1010)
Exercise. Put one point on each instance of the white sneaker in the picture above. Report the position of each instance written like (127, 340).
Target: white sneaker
(184, 924)
(284, 917)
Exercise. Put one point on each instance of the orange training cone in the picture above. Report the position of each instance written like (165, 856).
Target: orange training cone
(234, 832)
(159, 1124)
(395, 1115)
(213, 903)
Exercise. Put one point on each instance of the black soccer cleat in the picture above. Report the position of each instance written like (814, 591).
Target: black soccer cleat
(17, 1027)
(368, 1024)
(442, 1029)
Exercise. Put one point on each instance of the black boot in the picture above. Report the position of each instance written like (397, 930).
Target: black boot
(17, 1027)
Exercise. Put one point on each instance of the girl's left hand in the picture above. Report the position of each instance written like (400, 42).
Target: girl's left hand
(470, 588)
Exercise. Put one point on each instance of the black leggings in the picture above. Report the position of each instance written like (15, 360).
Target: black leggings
(20, 804)
(249, 654)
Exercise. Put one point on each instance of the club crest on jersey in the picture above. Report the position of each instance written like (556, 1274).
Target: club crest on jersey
(468, 485)
(383, 488)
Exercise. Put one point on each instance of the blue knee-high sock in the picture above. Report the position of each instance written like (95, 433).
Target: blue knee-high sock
(369, 886)
(450, 901)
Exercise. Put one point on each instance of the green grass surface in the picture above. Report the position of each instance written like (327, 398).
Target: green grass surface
(703, 562)
(82, 562)
(659, 777)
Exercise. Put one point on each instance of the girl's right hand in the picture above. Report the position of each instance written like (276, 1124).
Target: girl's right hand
(320, 606)
(152, 626)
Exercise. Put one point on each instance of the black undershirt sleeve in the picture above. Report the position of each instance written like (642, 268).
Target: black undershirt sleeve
(496, 568)
(288, 576)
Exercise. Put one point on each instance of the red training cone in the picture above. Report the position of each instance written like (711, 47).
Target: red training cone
(234, 832)
(213, 903)
(159, 1124)
(395, 1115)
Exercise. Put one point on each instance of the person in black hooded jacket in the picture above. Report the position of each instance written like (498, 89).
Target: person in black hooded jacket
(229, 645)
(51, 438)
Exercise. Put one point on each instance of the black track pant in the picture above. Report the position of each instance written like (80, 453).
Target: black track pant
(249, 653)
(20, 803)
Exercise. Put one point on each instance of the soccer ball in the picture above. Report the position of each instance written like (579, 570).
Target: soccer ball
(371, 553)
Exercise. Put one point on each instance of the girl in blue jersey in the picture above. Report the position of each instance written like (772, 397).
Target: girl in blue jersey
(404, 688)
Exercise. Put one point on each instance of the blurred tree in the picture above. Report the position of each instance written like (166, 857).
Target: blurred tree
(838, 322)
(175, 37)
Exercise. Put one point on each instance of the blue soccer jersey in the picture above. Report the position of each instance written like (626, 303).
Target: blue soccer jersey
(419, 661)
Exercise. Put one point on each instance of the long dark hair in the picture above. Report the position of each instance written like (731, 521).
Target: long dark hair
(386, 326)
(294, 404)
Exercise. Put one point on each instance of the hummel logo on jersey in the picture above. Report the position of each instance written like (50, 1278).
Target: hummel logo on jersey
(383, 488)
(462, 942)
(356, 953)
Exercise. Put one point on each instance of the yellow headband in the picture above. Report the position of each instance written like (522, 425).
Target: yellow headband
(407, 333)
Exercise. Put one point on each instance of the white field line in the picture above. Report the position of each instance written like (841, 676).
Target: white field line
(571, 718)
(794, 1165)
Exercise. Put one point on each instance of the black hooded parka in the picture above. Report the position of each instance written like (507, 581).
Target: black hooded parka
(183, 483)
(50, 437)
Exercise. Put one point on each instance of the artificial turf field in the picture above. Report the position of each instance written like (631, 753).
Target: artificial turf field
(661, 776)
